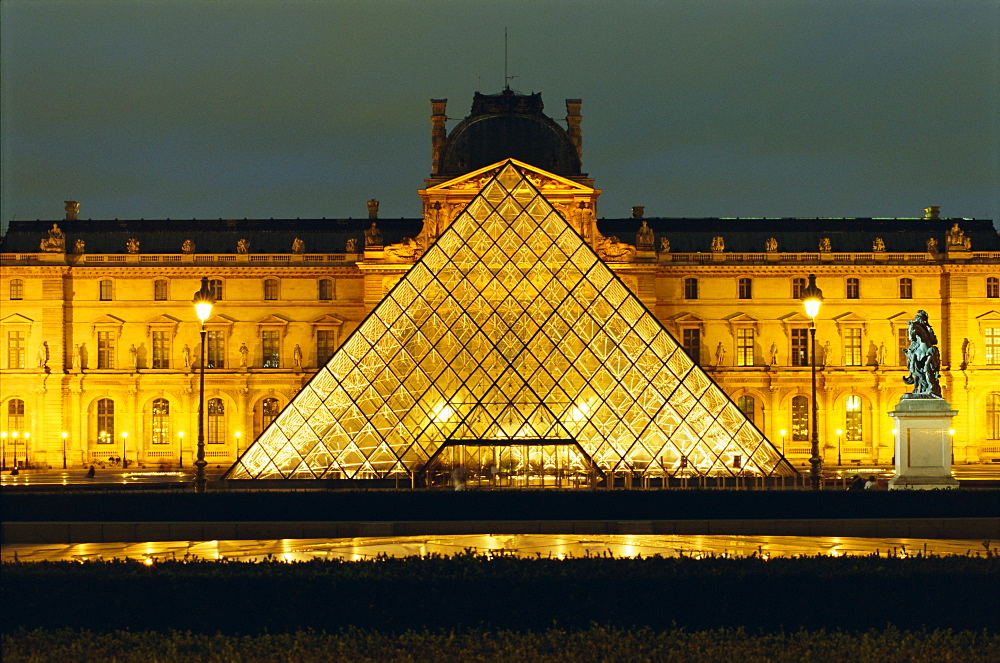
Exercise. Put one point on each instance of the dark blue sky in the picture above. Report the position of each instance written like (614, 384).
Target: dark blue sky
(208, 109)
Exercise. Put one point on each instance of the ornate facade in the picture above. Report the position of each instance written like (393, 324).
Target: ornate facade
(100, 340)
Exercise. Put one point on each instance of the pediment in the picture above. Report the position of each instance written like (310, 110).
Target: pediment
(541, 179)
(796, 318)
(16, 319)
(220, 320)
(850, 316)
(273, 320)
(163, 320)
(741, 319)
(988, 319)
(327, 319)
(900, 318)
(108, 319)
(686, 317)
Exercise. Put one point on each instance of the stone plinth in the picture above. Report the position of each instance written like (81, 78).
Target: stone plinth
(923, 444)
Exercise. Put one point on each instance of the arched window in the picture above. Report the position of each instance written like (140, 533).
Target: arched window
(216, 422)
(15, 415)
(993, 416)
(270, 289)
(107, 290)
(992, 287)
(691, 288)
(269, 409)
(326, 290)
(906, 288)
(17, 288)
(747, 406)
(800, 419)
(798, 285)
(853, 424)
(160, 422)
(160, 290)
(105, 421)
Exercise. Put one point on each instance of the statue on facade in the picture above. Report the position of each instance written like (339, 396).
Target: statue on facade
(664, 245)
(298, 246)
(968, 352)
(923, 360)
(133, 357)
(824, 245)
(609, 248)
(932, 245)
(244, 353)
(880, 354)
(132, 245)
(43, 354)
(774, 354)
(826, 354)
(297, 356)
(957, 239)
(186, 353)
(373, 236)
(771, 245)
(242, 246)
(351, 246)
(718, 244)
(404, 250)
(76, 356)
(55, 242)
(79, 246)
(720, 354)
(187, 246)
(878, 245)
(644, 237)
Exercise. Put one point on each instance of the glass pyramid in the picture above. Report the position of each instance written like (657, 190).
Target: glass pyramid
(510, 342)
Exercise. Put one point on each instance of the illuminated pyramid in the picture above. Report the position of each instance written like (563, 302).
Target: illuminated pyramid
(509, 336)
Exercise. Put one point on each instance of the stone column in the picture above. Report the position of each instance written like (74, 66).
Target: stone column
(923, 444)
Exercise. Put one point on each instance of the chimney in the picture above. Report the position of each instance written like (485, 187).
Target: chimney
(373, 209)
(72, 209)
(638, 211)
(932, 212)
(438, 133)
(573, 120)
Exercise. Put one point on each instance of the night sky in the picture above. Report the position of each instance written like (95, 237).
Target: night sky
(208, 109)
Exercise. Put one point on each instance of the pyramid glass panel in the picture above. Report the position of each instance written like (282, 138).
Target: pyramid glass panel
(509, 345)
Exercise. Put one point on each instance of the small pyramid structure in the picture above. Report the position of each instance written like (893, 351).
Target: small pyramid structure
(509, 331)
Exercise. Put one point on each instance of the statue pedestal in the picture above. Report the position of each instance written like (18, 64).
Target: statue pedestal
(923, 444)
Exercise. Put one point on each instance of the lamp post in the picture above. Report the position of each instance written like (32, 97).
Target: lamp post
(180, 449)
(13, 436)
(840, 433)
(3, 450)
(27, 435)
(783, 433)
(203, 303)
(124, 437)
(64, 436)
(238, 435)
(812, 298)
(951, 441)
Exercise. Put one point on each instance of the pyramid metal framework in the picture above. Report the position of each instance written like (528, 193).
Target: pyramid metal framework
(511, 340)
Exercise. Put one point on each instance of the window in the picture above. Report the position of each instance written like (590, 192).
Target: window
(160, 290)
(161, 349)
(325, 345)
(691, 288)
(105, 421)
(902, 342)
(745, 288)
(800, 419)
(798, 285)
(216, 423)
(691, 340)
(106, 349)
(992, 345)
(906, 288)
(17, 288)
(853, 288)
(270, 289)
(271, 343)
(744, 346)
(160, 431)
(15, 349)
(992, 287)
(852, 346)
(215, 285)
(107, 290)
(800, 347)
(746, 405)
(852, 419)
(326, 290)
(993, 416)
(216, 349)
(15, 415)
(269, 409)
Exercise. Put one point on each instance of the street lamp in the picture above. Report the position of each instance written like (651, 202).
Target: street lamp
(783, 433)
(124, 437)
(64, 436)
(238, 435)
(13, 436)
(180, 449)
(203, 303)
(951, 440)
(3, 450)
(839, 433)
(812, 298)
(26, 436)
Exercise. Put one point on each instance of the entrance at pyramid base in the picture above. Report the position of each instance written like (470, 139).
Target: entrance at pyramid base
(511, 463)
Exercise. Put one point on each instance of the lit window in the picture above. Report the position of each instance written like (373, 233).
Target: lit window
(902, 342)
(160, 290)
(993, 416)
(906, 288)
(215, 285)
(746, 288)
(216, 424)
(17, 289)
(106, 349)
(746, 405)
(691, 288)
(107, 290)
(216, 349)
(992, 345)
(992, 287)
(325, 345)
(271, 289)
(800, 419)
(800, 347)
(798, 285)
(853, 288)
(326, 290)
(268, 411)
(15, 414)
(15, 349)
(105, 421)
(271, 344)
(852, 346)
(744, 346)
(691, 340)
(161, 349)
(160, 431)
(853, 431)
